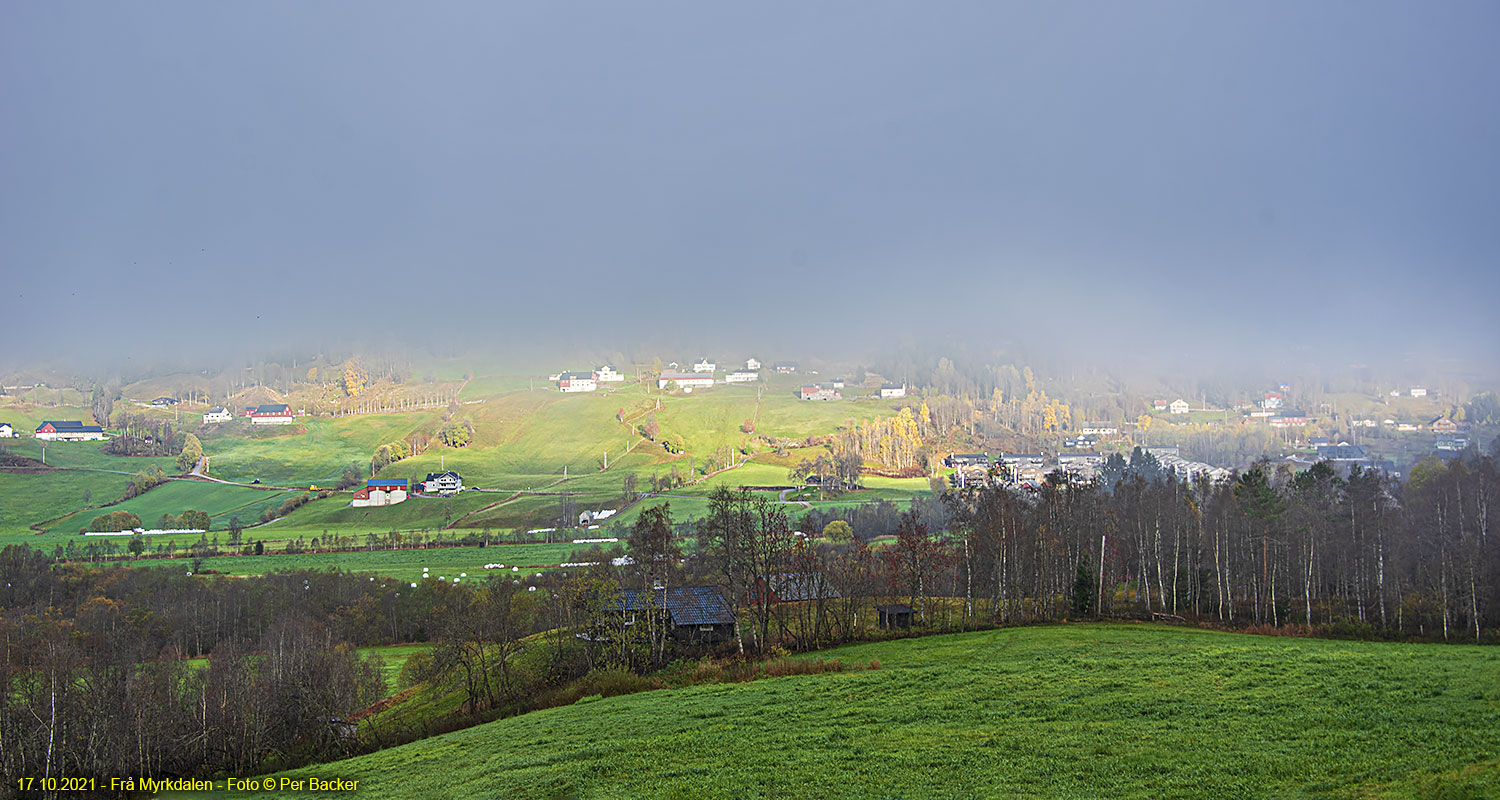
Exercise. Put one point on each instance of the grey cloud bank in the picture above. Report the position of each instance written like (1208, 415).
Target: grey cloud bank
(1220, 181)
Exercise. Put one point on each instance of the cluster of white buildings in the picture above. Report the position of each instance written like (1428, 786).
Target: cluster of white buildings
(700, 375)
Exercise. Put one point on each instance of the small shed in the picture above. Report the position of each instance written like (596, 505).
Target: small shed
(895, 615)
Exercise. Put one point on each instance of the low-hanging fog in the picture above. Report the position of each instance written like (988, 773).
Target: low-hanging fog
(1170, 185)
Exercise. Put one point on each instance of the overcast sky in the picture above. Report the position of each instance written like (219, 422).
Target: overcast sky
(1179, 178)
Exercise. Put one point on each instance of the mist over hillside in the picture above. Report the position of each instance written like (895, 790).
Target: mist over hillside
(1148, 190)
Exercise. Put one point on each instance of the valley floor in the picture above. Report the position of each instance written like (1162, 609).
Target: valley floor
(1110, 710)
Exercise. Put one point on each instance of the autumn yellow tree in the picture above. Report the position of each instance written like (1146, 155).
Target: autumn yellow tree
(355, 379)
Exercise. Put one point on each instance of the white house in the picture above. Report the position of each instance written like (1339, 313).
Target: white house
(685, 380)
(443, 483)
(1179, 406)
(6, 431)
(890, 390)
(819, 392)
(607, 374)
(741, 376)
(271, 414)
(576, 382)
(380, 492)
(705, 366)
(1418, 391)
(752, 364)
(70, 430)
(217, 415)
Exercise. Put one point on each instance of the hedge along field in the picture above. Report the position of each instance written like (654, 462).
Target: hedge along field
(406, 565)
(1064, 711)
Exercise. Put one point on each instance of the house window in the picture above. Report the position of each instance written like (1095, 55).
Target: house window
(705, 627)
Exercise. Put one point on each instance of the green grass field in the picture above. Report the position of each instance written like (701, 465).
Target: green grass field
(28, 499)
(1066, 711)
(284, 455)
(220, 501)
(86, 455)
(447, 562)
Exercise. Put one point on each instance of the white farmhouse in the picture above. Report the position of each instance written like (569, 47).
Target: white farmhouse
(705, 366)
(1179, 406)
(742, 376)
(443, 483)
(6, 431)
(889, 390)
(685, 380)
(1418, 391)
(576, 382)
(217, 415)
(607, 374)
(752, 364)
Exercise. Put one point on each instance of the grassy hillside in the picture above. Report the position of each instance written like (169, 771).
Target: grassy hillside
(523, 440)
(1069, 711)
(311, 451)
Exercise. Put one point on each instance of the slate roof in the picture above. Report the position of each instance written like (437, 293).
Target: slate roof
(432, 476)
(377, 482)
(69, 426)
(687, 605)
(576, 376)
(276, 409)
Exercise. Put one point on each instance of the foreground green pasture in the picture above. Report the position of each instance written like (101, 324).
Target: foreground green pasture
(1067, 711)
(447, 562)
